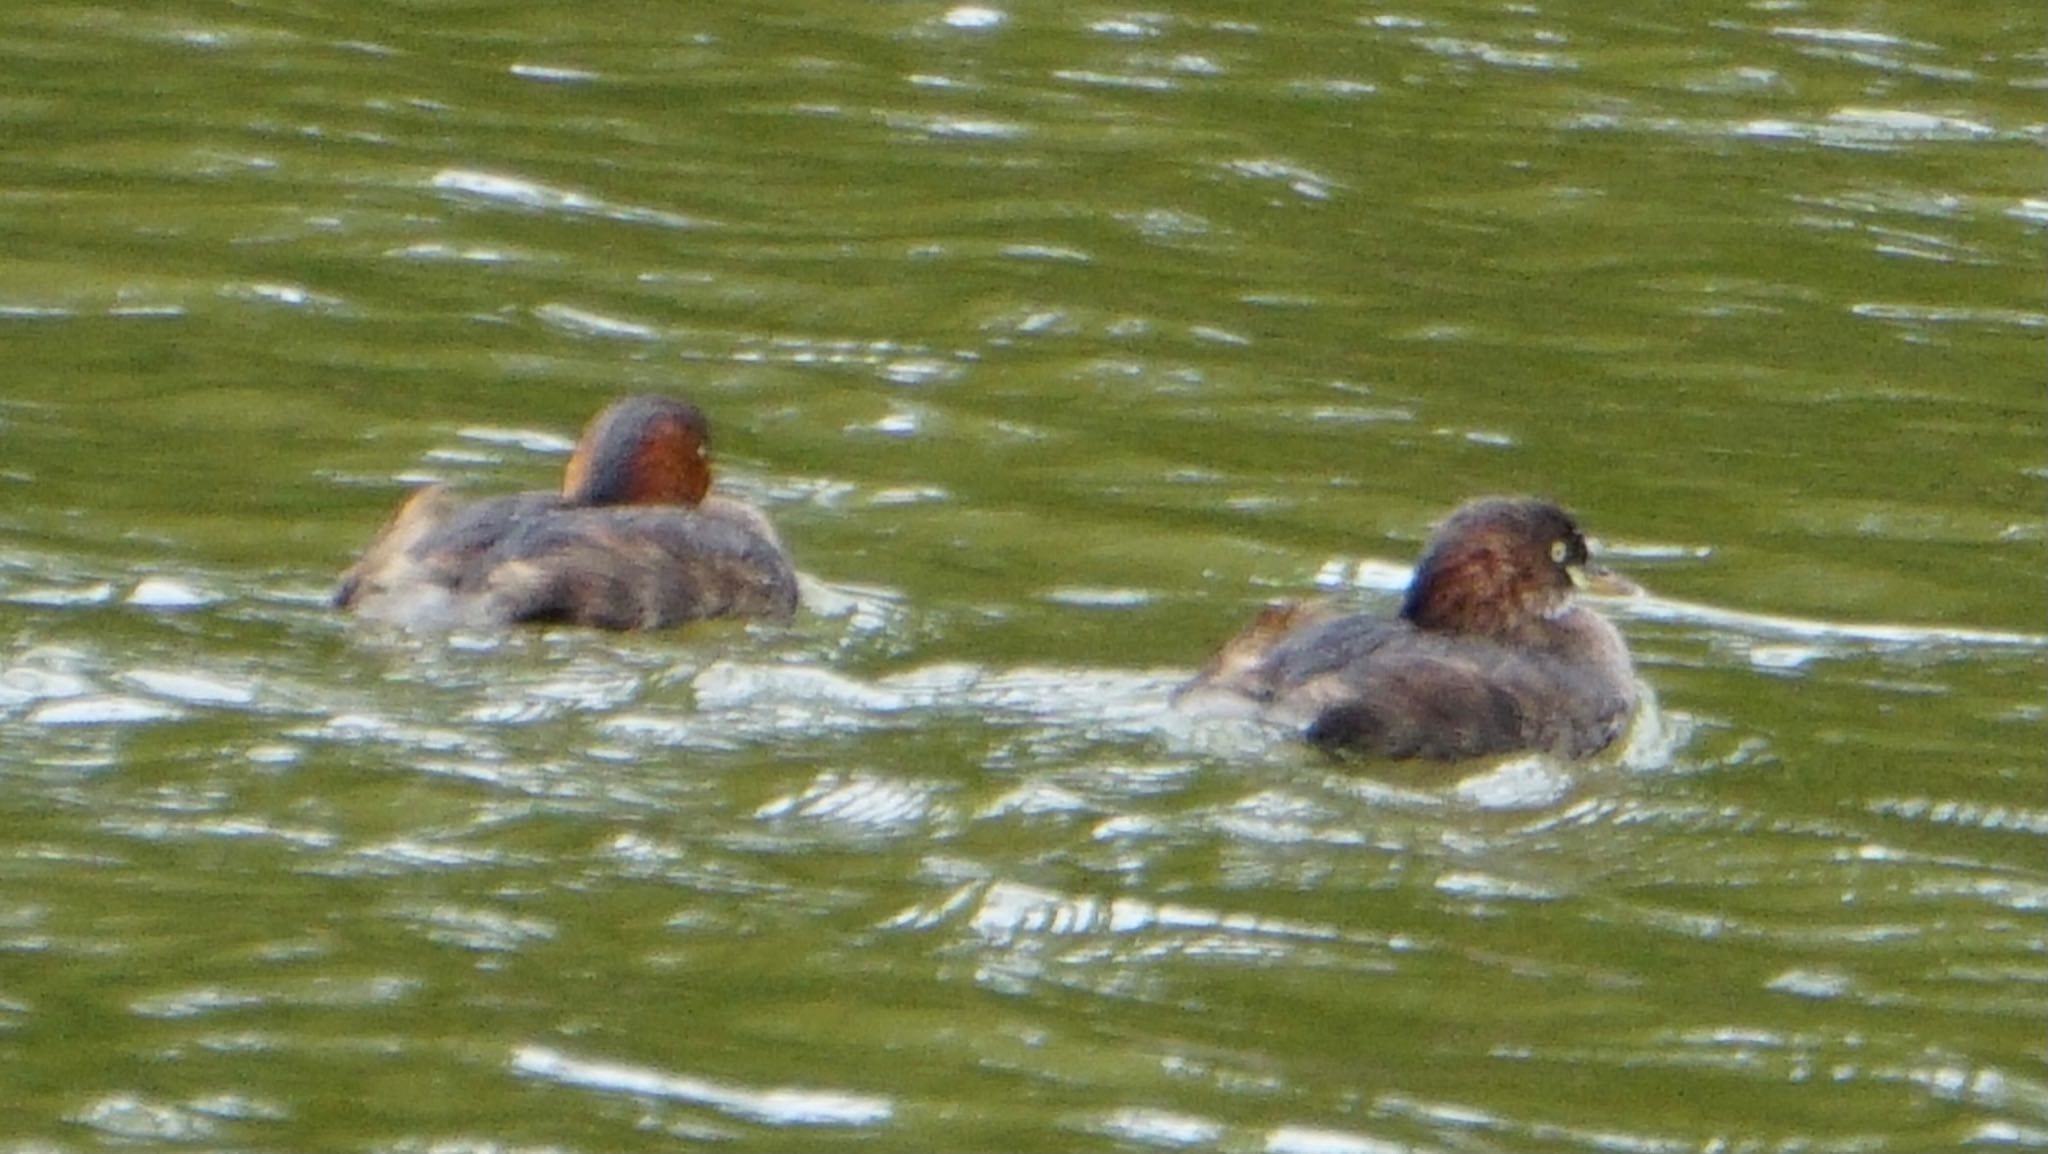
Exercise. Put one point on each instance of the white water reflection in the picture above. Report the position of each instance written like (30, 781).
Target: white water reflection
(498, 188)
(170, 593)
(1005, 913)
(104, 709)
(1162, 1128)
(1310, 1140)
(190, 688)
(864, 803)
(777, 1106)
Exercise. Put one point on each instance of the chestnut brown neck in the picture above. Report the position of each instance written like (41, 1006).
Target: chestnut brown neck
(640, 451)
(1488, 572)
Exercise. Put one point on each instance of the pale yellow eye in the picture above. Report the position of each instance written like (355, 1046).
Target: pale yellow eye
(1559, 551)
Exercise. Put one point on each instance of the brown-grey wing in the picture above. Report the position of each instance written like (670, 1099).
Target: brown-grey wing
(1451, 700)
(719, 567)
(631, 568)
(474, 529)
(1241, 667)
(434, 541)
(1328, 646)
(1436, 707)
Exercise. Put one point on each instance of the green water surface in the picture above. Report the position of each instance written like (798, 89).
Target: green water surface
(1056, 338)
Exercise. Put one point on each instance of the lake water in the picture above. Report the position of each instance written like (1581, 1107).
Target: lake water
(1056, 338)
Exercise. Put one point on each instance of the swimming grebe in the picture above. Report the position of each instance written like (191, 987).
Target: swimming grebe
(635, 540)
(1489, 654)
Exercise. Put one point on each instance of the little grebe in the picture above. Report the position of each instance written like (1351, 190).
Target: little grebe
(635, 540)
(1489, 655)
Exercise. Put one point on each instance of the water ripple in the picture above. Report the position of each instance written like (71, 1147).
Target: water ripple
(780, 1106)
(496, 188)
(859, 802)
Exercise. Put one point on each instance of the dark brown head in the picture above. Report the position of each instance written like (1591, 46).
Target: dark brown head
(1500, 567)
(641, 451)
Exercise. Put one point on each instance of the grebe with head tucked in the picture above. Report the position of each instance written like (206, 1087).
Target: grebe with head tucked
(635, 540)
(1490, 654)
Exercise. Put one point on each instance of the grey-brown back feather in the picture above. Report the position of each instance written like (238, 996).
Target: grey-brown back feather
(1381, 687)
(631, 568)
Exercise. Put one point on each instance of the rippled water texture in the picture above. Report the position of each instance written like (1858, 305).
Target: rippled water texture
(1057, 338)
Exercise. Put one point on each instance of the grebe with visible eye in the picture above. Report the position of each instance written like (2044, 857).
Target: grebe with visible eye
(1490, 654)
